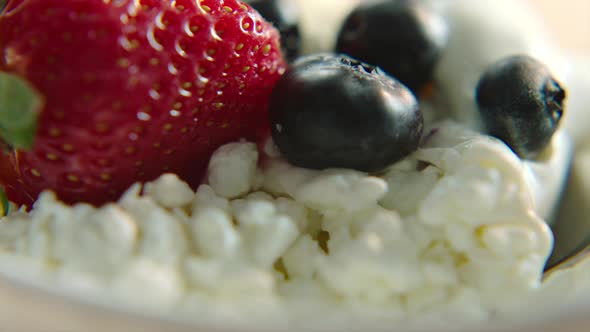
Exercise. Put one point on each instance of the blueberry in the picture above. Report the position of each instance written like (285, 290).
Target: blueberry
(332, 111)
(520, 103)
(402, 37)
(284, 15)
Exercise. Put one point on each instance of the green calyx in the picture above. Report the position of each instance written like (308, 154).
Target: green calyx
(20, 105)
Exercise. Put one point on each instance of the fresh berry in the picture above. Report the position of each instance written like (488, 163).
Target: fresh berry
(331, 111)
(402, 37)
(521, 103)
(133, 89)
(284, 15)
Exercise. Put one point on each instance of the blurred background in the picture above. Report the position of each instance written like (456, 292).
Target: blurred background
(570, 22)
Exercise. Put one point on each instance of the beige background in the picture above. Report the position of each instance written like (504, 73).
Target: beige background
(570, 20)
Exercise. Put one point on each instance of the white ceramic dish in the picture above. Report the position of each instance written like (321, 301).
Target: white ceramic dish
(29, 309)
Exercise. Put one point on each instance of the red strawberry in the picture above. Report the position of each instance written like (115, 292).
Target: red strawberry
(133, 89)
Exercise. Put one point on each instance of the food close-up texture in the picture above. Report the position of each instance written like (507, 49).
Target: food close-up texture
(335, 163)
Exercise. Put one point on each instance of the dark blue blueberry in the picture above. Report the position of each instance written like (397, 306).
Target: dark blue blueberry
(521, 104)
(284, 15)
(402, 37)
(331, 111)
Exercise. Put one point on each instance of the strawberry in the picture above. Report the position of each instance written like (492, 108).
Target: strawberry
(132, 89)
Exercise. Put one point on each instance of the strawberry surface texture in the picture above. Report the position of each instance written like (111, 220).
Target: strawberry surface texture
(133, 89)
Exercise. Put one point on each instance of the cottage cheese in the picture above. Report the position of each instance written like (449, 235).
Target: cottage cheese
(449, 230)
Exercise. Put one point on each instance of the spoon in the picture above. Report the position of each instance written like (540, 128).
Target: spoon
(572, 229)
(558, 262)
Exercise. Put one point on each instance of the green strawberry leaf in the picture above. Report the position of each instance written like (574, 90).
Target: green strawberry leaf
(20, 105)
(4, 204)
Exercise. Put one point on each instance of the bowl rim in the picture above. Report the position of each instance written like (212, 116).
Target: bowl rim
(59, 311)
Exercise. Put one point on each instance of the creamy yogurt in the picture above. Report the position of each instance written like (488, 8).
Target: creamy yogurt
(547, 176)
(320, 22)
(481, 33)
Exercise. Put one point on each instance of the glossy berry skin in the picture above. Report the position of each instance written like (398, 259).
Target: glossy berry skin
(284, 15)
(521, 104)
(402, 37)
(331, 111)
(133, 89)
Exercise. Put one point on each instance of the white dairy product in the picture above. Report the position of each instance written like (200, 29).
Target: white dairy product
(448, 231)
(481, 33)
(547, 175)
(320, 22)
